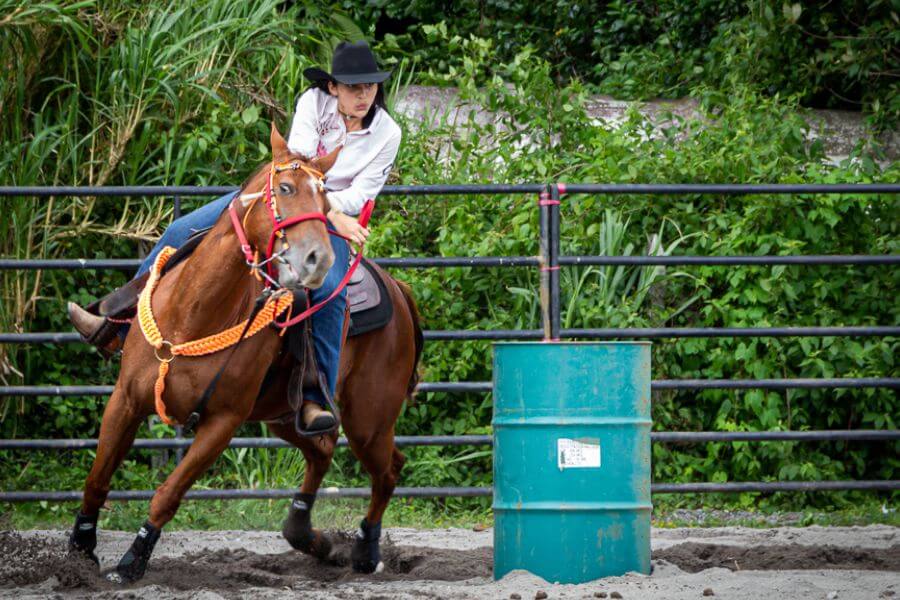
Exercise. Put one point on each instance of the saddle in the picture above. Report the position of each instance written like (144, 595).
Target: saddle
(367, 297)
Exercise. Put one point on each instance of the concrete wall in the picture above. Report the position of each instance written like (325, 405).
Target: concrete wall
(840, 130)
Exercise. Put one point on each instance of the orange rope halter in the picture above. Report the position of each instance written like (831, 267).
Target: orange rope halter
(274, 307)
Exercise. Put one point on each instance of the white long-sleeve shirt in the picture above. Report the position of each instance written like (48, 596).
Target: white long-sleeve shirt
(365, 161)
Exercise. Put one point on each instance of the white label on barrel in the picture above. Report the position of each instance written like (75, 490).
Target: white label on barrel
(574, 454)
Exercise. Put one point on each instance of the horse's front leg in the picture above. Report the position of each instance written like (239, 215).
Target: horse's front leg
(121, 420)
(297, 528)
(213, 435)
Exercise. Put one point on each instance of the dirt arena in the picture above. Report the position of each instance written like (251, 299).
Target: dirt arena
(814, 562)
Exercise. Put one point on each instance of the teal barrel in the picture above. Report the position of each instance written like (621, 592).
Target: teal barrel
(572, 459)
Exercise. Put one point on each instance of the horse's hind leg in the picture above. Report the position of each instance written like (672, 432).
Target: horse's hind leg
(213, 435)
(382, 460)
(120, 423)
(297, 528)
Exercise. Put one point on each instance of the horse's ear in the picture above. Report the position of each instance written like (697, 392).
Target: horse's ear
(324, 163)
(279, 146)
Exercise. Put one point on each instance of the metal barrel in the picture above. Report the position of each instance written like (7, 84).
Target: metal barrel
(571, 434)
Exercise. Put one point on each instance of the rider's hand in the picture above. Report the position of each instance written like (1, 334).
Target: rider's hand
(348, 226)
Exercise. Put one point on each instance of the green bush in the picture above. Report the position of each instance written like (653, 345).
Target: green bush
(830, 55)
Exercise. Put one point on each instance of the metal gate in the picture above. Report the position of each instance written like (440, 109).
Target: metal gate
(549, 261)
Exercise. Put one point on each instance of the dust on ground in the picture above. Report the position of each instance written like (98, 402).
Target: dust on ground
(815, 562)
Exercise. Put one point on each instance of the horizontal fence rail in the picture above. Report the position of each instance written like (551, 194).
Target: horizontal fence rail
(465, 492)
(536, 334)
(132, 264)
(549, 260)
(686, 437)
(486, 386)
(493, 189)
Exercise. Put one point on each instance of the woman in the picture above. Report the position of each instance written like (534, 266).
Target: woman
(342, 108)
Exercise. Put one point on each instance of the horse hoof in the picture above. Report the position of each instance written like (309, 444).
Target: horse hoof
(366, 554)
(316, 545)
(321, 547)
(85, 552)
(83, 538)
(367, 567)
(134, 563)
(116, 578)
(312, 542)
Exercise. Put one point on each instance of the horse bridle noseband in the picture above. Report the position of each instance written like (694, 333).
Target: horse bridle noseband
(279, 223)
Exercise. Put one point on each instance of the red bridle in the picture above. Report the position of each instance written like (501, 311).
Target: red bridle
(279, 224)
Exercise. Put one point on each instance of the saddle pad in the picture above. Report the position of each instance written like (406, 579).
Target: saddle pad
(370, 304)
(368, 299)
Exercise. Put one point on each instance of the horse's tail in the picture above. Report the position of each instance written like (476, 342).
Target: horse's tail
(420, 338)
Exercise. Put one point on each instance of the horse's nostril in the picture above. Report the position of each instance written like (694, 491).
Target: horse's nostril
(312, 259)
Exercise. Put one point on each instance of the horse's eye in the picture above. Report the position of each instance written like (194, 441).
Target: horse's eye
(285, 189)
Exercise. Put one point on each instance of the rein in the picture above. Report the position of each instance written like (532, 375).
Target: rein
(272, 302)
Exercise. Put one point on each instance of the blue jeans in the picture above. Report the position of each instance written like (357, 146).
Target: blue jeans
(327, 322)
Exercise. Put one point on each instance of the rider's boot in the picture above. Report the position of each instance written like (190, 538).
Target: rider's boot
(95, 330)
(316, 418)
(101, 322)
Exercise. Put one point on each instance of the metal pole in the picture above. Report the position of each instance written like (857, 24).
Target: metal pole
(554, 262)
(658, 437)
(544, 219)
(474, 387)
(463, 492)
(128, 264)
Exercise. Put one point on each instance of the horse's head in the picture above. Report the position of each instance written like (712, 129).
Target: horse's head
(303, 251)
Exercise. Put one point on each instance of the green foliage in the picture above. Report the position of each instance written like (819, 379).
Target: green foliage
(833, 54)
(128, 94)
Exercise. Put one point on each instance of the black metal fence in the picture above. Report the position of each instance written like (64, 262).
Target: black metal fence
(549, 261)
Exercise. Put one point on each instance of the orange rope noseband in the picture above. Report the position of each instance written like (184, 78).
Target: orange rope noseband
(274, 307)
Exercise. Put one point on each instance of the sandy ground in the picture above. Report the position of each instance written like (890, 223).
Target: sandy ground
(730, 562)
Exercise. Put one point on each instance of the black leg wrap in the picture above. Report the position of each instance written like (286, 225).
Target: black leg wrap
(298, 531)
(84, 536)
(134, 563)
(366, 553)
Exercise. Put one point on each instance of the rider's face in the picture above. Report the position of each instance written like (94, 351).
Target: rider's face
(354, 100)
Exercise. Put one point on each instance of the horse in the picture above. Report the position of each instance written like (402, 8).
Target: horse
(211, 290)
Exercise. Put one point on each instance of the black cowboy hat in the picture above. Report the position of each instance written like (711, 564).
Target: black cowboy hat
(352, 63)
